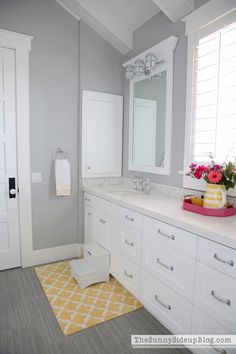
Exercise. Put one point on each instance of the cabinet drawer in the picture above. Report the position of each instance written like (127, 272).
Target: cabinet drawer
(131, 218)
(165, 304)
(129, 274)
(89, 224)
(217, 256)
(102, 205)
(130, 243)
(203, 324)
(182, 240)
(172, 267)
(215, 294)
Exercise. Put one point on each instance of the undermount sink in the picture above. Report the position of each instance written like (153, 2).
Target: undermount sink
(125, 192)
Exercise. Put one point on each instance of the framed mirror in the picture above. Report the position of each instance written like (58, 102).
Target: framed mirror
(150, 119)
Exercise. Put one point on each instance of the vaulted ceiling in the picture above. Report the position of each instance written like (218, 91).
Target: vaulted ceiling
(116, 20)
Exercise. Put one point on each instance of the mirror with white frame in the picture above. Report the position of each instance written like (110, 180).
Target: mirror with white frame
(150, 112)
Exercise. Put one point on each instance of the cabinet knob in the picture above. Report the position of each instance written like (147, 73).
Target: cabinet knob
(89, 167)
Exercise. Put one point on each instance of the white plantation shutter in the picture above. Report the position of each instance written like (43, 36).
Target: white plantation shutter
(214, 96)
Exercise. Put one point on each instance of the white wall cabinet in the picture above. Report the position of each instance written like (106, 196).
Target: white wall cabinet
(187, 282)
(102, 117)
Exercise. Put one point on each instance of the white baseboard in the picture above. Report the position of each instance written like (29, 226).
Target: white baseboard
(54, 254)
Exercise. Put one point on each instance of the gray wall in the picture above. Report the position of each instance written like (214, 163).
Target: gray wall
(100, 70)
(100, 63)
(152, 32)
(54, 65)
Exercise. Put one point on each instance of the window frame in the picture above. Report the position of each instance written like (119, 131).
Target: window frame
(213, 10)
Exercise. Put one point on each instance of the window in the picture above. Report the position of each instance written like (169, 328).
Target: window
(210, 124)
(214, 96)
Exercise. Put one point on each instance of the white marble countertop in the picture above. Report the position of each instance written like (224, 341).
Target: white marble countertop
(169, 209)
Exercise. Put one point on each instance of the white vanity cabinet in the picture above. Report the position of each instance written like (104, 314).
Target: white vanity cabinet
(186, 281)
(102, 116)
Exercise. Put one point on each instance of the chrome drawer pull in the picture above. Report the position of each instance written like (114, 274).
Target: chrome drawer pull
(129, 218)
(129, 243)
(166, 306)
(230, 262)
(164, 265)
(102, 221)
(87, 200)
(221, 351)
(172, 237)
(220, 299)
(128, 275)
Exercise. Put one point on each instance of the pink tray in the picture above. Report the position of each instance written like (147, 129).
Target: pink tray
(207, 211)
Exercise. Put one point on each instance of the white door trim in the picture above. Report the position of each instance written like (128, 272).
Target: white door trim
(22, 45)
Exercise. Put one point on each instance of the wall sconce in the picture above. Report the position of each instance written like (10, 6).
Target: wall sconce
(142, 67)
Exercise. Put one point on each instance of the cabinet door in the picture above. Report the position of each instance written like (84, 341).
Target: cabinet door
(102, 224)
(89, 224)
(102, 134)
(113, 244)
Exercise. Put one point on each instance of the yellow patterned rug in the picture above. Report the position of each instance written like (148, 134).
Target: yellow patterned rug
(77, 309)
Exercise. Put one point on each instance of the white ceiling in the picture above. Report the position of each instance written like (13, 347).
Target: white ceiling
(133, 13)
(116, 20)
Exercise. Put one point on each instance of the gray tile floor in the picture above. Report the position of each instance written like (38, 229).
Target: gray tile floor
(28, 326)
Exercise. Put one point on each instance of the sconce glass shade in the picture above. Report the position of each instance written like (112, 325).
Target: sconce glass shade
(148, 79)
(129, 72)
(139, 67)
(150, 62)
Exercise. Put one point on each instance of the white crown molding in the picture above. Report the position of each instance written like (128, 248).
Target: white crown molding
(209, 12)
(175, 9)
(161, 50)
(101, 21)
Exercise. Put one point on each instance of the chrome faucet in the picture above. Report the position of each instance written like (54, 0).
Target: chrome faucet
(142, 184)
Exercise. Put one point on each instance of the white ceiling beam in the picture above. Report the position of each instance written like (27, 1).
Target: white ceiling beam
(175, 9)
(102, 21)
(211, 11)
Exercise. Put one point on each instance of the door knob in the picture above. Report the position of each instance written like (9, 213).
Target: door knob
(12, 191)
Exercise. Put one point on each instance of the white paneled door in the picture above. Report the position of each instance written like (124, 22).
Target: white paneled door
(9, 222)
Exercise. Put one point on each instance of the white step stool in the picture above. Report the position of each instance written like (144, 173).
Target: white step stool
(93, 268)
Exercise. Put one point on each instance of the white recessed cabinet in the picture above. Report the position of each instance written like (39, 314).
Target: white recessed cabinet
(102, 116)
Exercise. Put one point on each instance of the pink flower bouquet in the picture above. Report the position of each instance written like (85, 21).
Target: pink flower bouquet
(224, 174)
